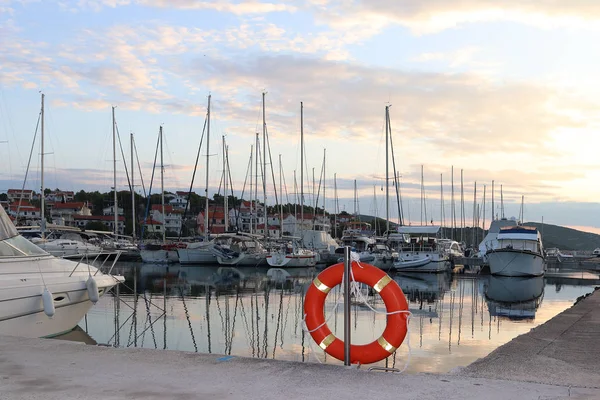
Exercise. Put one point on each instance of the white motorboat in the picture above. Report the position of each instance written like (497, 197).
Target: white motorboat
(422, 253)
(490, 240)
(41, 295)
(291, 257)
(241, 250)
(519, 252)
(67, 248)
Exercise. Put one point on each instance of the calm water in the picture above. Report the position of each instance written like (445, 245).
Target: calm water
(257, 312)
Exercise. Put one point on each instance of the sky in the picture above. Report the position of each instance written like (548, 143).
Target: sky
(503, 91)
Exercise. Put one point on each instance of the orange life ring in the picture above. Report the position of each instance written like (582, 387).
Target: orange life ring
(393, 298)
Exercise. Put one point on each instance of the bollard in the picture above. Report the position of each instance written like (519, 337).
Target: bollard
(347, 266)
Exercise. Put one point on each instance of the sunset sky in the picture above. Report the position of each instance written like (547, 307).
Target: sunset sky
(506, 91)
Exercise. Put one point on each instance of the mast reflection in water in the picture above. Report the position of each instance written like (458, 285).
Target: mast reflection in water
(257, 312)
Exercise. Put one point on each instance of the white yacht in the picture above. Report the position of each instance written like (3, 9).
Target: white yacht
(320, 241)
(422, 252)
(490, 241)
(359, 236)
(241, 250)
(41, 295)
(291, 255)
(519, 252)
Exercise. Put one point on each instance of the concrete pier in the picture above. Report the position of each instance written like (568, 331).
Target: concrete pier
(557, 360)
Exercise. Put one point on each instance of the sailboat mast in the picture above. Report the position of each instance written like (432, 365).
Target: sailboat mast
(162, 187)
(442, 200)
(501, 203)
(484, 201)
(302, 165)
(387, 167)
(453, 211)
(256, 151)
(336, 208)
(281, 202)
(251, 192)
(116, 207)
(474, 224)
(42, 196)
(462, 208)
(375, 208)
(493, 216)
(324, 180)
(265, 167)
(207, 163)
(132, 191)
(295, 204)
(422, 196)
(225, 198)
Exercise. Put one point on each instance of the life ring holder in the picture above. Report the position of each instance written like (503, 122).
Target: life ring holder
(393, 298)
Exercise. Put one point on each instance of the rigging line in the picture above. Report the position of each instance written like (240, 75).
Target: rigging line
(150, 188)
(318, 192)
(236, 206)
(237, 216)
(272, 171)
(396, 177)
(139, 167)
(287, 197)
(28, 163)
(123, 156)
(187, 203)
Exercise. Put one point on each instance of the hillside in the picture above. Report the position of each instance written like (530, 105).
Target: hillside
(566, 238)
(553, 235)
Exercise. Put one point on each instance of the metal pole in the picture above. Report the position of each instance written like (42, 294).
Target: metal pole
(347, 266)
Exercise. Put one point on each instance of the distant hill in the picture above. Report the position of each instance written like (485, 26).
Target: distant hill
(566, 238)
(553, 235)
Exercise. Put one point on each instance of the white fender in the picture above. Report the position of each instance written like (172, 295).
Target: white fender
(48, 301)
(92, 289)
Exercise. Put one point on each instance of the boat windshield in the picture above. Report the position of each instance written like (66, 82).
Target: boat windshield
(18, 246)
(11, 243)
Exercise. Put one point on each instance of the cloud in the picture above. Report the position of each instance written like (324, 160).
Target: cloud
(426, 17)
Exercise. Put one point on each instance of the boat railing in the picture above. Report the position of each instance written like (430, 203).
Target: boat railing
(104, 254)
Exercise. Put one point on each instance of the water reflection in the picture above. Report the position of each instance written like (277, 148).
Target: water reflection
(257, 312)
(513, 297)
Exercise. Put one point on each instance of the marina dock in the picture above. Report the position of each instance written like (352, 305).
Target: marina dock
(557, 360)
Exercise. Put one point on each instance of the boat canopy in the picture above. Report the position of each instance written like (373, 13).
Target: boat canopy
(7, 228)
(518, 233)
(419, 230)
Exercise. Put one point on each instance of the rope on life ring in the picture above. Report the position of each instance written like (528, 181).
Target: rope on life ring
(393, 298)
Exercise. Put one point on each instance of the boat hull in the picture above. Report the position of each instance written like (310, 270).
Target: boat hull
(159, 256)
(22, 308)
(509, 262)
(422, 262)
(196, 256)
(291, 261)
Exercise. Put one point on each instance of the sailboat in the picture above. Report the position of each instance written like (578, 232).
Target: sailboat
(422, 252)
(53, 242)
(317, 239)
(41, 295)
(202, 252)
(160, 253)
(292, 254)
